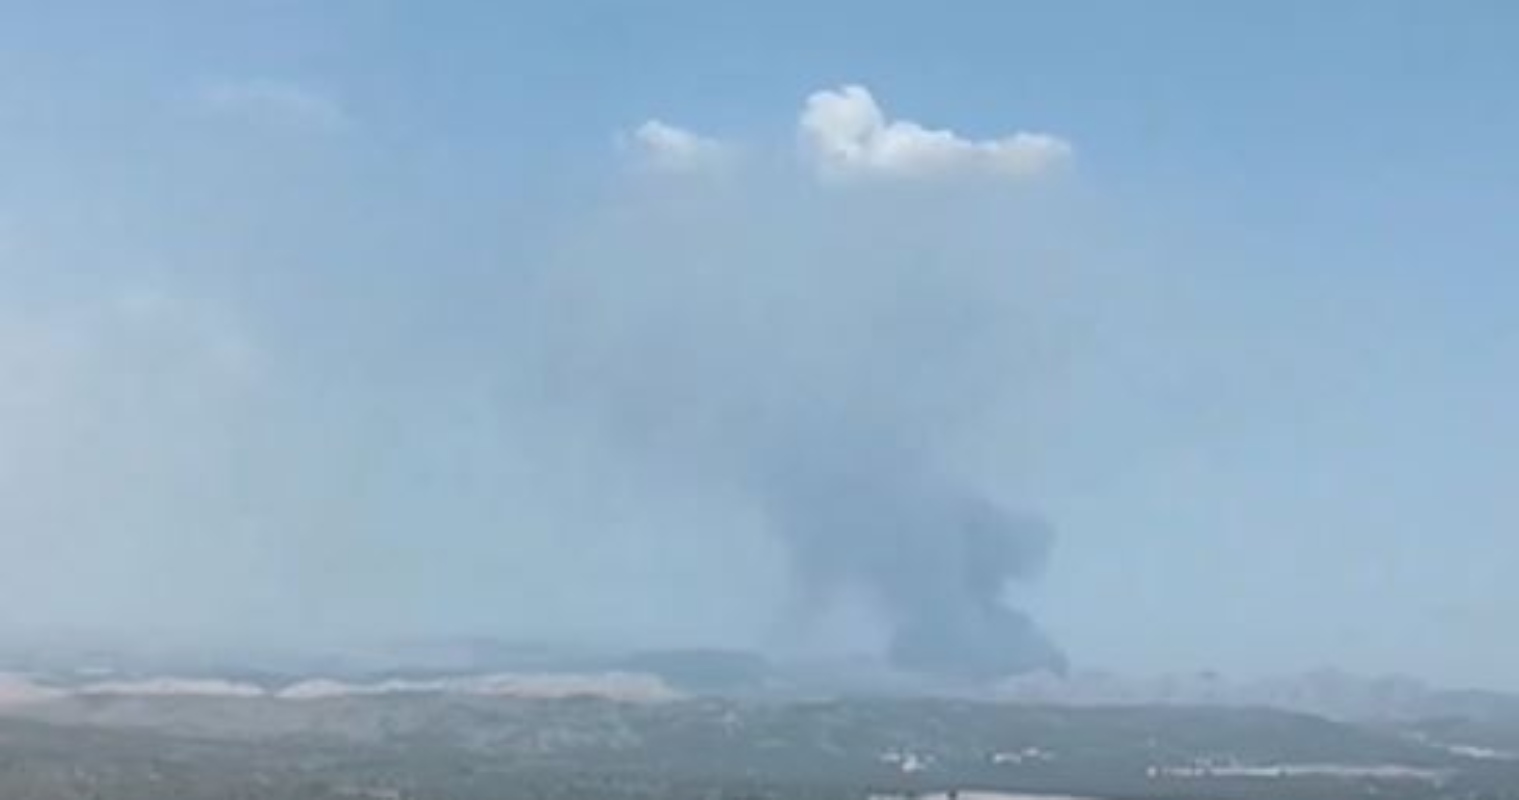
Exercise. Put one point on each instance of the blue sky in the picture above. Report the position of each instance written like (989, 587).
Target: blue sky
(267, 276)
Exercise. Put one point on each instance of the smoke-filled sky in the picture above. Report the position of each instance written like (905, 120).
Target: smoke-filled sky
(1164, 338)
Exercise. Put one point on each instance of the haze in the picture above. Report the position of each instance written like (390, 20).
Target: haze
(684, 325)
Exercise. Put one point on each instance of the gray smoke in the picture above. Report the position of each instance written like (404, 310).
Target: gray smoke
(934, 556)
(824, 367)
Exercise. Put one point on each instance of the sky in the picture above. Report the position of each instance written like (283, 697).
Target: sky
(326, 321)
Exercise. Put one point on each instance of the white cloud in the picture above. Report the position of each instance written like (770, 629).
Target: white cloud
(269, 102)
(845, 132)
(666, 147)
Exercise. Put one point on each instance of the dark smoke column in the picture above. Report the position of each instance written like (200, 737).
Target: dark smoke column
(935, 558)
(976, 635)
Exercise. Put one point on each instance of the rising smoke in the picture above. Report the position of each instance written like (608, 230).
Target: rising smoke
(934, 557)
(831, 372)
(387, 442)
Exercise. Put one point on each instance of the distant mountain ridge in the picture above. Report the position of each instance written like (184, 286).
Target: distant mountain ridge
(488, 666)
(1332, 694)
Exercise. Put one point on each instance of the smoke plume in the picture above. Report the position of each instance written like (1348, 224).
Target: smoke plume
(830, 374)
(362, 429)
(935, 558)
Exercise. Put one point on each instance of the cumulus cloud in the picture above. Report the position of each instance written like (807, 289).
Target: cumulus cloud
(662, 146)
(845, 132)
(275, 103)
